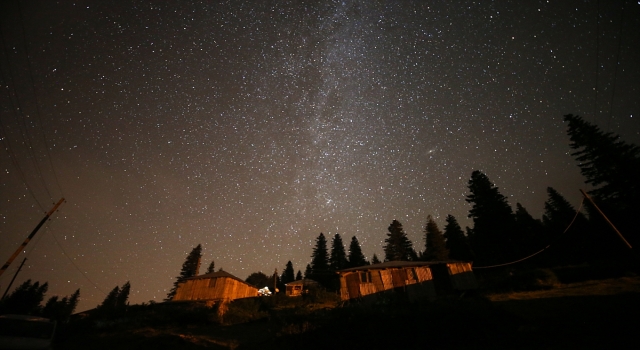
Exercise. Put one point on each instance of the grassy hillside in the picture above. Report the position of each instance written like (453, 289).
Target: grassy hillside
(584, 314)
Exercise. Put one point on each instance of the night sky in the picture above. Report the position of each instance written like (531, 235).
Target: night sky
(251, 127)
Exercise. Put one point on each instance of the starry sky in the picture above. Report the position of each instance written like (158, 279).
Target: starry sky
(252, 126)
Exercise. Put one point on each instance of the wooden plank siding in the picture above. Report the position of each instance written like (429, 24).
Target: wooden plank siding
(462, 277)
(415, 279)
(214, 288)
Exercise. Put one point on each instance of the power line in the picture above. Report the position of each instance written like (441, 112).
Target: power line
(35, 94)
(543, 249)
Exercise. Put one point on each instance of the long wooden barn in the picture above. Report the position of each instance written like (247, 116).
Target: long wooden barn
(214, 286)
(415, 279)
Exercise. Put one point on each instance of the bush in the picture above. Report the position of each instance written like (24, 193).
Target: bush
(244, 310)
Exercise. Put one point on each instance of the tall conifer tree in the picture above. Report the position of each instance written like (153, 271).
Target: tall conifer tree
(212, 267)
(288, 274)
(320, 262)
(338, 258)
(355, 257)
(189, 269)
(435, 246)
(398, 247)
(610, 165)
(456, 241)
(492, 237)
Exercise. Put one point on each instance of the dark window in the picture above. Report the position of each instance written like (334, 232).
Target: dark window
(365, 277)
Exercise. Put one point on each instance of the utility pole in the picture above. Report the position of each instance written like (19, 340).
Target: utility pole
(33, 233)
(13, 279)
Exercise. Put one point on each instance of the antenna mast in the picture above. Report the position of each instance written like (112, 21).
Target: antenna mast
(33, 233)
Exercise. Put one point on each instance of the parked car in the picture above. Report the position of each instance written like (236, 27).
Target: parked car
(26, 332)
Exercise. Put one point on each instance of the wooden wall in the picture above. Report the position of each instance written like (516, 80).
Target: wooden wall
(214, 289)
(417, 281)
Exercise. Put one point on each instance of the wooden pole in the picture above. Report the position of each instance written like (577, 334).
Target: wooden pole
(13, 279)
(606, 218)
(33, 233)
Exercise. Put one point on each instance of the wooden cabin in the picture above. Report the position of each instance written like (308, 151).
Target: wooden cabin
(297, 288)
(215, 286)
(415, 279)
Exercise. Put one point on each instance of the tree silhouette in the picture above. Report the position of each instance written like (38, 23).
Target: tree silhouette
(115, 303)
(356, 258)
(212, 267)
(375, 260)
(320, 262)
(456, 241)
(338, 258)
(398, 247)
(259, 280)
(567, 230)
(492, 236)
(25, 299)
(189, 269)
(558, 212)
(288, 274)
(612, 167)
(308, 272)
(435, 246)
(299, 275)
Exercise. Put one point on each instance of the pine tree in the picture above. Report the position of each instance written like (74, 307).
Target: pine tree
(288, 274)
(109, 304)
(558, 212)
(530, 231)
(567, 230)
(610, 165)
(61, 309)
(375, 260)
(123, 297)
(356, 258)
(299, 275)
(456, 241)
(308, 272)
(398, 247)
(338, 258)
(25, 299)
(72, 303)
(54, 307)
(320, 261)
(212, 267)
(492, 237)
(435, 245)
(189, 269)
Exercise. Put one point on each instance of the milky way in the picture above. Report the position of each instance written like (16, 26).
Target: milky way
(251, 127)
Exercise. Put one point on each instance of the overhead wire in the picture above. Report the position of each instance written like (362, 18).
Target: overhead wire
(37, 101)
(541, 250)
(64, 252)
(17, 110)
(7, 142)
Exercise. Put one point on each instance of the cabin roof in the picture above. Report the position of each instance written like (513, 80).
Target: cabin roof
(217, 274)
(304, 281)
(399, 264)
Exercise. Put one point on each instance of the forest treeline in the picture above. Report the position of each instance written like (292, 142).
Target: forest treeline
(502, 235)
